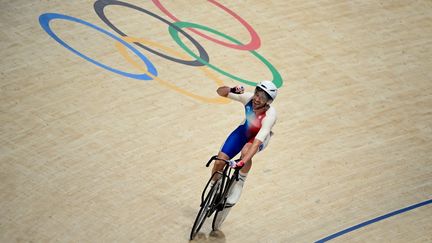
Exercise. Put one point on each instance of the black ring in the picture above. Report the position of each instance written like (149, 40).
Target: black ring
(99, 6)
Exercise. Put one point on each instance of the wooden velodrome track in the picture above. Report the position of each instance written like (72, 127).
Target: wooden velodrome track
(90, 155)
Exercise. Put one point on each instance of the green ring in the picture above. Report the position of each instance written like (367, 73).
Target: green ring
(277, 79)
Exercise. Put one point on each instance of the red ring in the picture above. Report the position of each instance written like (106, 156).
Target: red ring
(254, 43)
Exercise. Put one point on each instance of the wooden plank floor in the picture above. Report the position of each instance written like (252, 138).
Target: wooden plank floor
(88, 155)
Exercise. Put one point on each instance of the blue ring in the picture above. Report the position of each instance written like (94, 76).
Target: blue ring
(44, 20)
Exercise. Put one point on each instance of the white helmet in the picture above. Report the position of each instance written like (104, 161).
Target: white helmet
(269, 87)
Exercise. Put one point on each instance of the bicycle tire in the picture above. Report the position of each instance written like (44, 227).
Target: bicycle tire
(221, 210)
(216, 225)
(204, 209)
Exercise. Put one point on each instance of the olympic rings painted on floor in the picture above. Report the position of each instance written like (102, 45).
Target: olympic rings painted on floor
(150, 72)
(45, 19)
(254, 43)
(127, 57)
(99, 6)
(277, 79)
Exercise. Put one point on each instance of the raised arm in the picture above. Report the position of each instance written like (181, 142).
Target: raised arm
(223, 91)
(235, 93)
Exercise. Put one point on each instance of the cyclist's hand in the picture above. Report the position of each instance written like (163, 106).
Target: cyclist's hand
(237, 89)
(240, 164)
(234, 164)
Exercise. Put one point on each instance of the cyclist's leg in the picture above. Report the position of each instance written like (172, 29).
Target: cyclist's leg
(219, 165)
(231, 147)
(237, 187)
(236, 190)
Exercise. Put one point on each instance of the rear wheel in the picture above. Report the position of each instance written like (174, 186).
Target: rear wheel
(204, 211)
(222, 211)
(219, 217)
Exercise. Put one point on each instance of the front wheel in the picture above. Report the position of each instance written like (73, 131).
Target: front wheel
(204, 210)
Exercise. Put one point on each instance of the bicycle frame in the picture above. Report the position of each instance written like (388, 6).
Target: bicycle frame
(226, 175)
(215, 199)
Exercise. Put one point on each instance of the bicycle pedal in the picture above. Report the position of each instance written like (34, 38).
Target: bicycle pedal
(228, 205)
(220, 207)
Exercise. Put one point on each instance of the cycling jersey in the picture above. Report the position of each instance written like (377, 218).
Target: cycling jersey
(252, 127)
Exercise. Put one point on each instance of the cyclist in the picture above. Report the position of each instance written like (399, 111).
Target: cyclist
(252, 135)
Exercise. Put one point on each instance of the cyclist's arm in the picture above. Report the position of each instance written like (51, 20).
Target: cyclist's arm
(252, 150)
(244, 98)
(267, 124)
(223, 91)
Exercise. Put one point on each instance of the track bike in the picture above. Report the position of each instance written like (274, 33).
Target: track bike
(214, 197)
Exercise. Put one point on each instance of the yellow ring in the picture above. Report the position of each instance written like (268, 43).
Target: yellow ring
(122, 49)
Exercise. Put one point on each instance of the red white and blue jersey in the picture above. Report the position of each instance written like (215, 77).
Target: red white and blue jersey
(252, 127)
(256, 127)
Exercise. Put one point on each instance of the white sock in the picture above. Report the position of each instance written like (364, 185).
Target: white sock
(242, 176)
